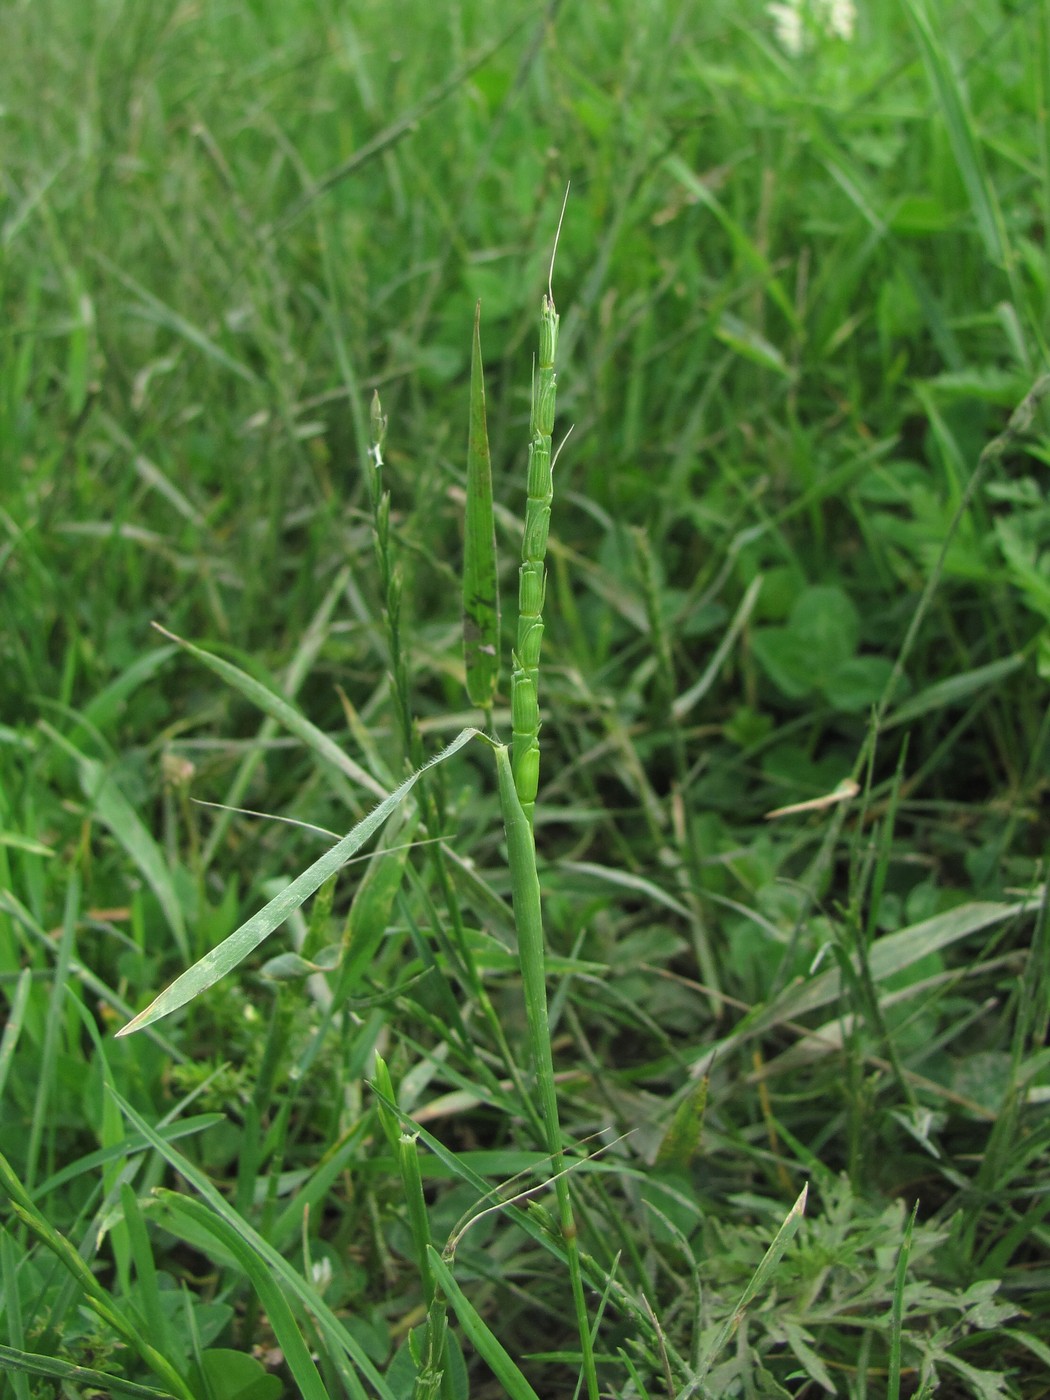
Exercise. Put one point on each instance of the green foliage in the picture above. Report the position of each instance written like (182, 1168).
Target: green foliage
(817, 651)
(790, 824)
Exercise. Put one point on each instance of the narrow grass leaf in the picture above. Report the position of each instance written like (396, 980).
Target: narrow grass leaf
(47, 1077)
(624, 879)
(14, 841)
(954, 691)
(407, 1155)
(314, 1190)
(13, 1027)
(340, 1341)
(147, 1292)
(458, 1166)
(745, 247)
(759, 1280)
(889, 955)
(306, 653)
(487, 1345)
(1037, 1347)
(696, 692)
(221, 960)
(153, 477)
(279, 1315)
(751, 344)
(478, 894)
(946, 89)
(116, 813)
(161, 314)
(370, 913)
(11, 1257)
(281, 710)
(93, 1292)
(408, 121)
(900, 1278)
(898, 951)
(10, 906)
(65, 1373)
(480, 582)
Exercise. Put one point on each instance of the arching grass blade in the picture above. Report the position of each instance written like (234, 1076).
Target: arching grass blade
(222, 959)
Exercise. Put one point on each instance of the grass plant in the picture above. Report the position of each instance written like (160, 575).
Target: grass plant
(520, 1086)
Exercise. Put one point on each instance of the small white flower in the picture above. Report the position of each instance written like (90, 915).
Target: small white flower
(787, 20)
(798, 23)
(841, 18)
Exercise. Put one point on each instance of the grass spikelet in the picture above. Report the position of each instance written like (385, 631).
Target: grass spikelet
(532, 575)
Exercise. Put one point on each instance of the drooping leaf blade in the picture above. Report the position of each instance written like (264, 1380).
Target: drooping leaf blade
(281, 710)
(232, 950)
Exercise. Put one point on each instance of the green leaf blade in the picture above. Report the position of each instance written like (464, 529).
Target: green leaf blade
(947, 90)
(281, 710)
(234, 949)
(480, 1335)
(481, 615)
(280, 1316)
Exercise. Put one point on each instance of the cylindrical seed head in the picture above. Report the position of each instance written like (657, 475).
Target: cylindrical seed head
(546, 397)
(537, 527)
(530, 638)
(531, 589)
(548, 334)
(524, 706)
(527, 773)
(539, 483)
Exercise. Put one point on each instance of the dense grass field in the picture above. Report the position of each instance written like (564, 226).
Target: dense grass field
(779, 1126)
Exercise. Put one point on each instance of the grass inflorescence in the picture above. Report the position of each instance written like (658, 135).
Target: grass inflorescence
(532, 575)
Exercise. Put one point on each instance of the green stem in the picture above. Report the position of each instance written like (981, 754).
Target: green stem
(390, 581)
(528, 916)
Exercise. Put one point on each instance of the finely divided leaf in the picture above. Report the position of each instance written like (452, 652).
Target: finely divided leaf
(760, 1280)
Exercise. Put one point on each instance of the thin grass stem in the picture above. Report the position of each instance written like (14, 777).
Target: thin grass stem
(525, 889)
